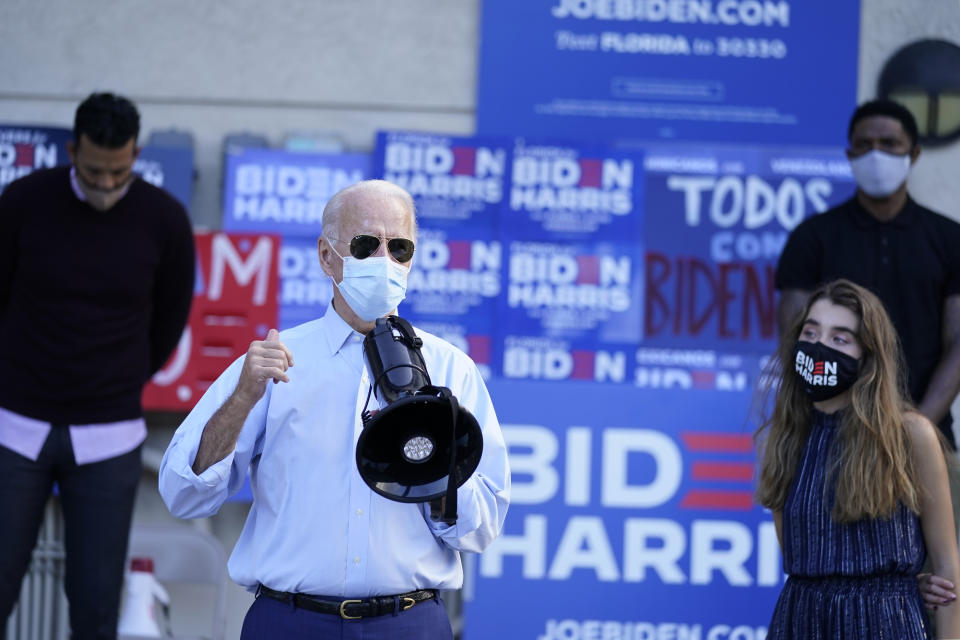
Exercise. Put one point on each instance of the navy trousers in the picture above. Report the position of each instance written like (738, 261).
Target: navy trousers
(268, 619)
(97, 500)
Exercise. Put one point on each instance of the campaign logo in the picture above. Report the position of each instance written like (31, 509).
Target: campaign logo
(452, 277)
(551, 276)
(657, 482)
(279, 187)
(431, 167)
(536, 358)
(562, 191)
(464, 267)
(720, 468)
(23, 151)
(818, 373)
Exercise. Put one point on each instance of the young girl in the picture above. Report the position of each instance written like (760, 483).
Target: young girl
(856, 479)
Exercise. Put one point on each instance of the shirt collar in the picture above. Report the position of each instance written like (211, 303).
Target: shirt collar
(336, 330)
(77, 191)
(906, 217)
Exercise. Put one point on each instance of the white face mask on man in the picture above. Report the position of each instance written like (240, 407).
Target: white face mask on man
(879, 174)
(373, 287)
(99, 199)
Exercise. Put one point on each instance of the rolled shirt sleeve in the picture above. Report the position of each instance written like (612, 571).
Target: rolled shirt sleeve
(188, 495)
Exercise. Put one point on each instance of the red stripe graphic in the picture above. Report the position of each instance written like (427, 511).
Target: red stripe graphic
(703, 379)
(459, 254)
(582, 364)
(464, 161)
(737, 471)
(588, 269)
(711, 499)
(591, 172)
(24, 155)
(725, 442)
(479, 348)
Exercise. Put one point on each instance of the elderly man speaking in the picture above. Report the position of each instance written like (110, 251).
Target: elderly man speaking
(326, 556)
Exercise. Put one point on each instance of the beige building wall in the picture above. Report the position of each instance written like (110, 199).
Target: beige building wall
(345, 67)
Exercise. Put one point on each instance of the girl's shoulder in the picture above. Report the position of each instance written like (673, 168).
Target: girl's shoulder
(923, 434)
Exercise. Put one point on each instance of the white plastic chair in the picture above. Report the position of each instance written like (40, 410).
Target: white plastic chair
(191, 564)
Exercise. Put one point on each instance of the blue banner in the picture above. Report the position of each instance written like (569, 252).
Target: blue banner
(458, 187)
(717, 220)
(24, 149)
(454, 287)
(170, 168)
(456, 183)
(304, 289)
(761, 71)
(631, 517)
(285, 192)
(574, 192)
(586, 290)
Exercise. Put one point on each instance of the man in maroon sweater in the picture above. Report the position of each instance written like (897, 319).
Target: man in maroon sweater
(96, 279)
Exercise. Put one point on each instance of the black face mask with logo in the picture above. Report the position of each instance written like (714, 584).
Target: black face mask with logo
(824, 372)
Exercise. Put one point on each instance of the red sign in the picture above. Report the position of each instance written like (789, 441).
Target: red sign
(234, 302)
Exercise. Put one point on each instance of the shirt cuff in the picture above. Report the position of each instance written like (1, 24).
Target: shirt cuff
(215, 475)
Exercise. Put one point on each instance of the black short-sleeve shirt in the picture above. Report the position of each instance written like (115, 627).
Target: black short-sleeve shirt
(912, 263)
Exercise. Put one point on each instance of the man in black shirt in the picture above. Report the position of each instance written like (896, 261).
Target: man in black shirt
(96, 280)
(905, 253)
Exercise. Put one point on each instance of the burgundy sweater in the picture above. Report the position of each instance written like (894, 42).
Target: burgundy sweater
(91, 303)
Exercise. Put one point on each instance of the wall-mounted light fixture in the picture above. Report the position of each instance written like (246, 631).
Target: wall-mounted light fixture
(924, 76)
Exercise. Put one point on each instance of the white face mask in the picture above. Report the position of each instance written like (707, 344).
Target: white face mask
(373, 287)
(99, 199)
(879, 174)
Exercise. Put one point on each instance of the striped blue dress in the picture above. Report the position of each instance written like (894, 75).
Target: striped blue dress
(855, 580)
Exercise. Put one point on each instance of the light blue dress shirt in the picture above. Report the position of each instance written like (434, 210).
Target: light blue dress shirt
(315, 527)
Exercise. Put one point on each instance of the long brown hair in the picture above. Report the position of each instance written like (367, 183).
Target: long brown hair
(872, 467)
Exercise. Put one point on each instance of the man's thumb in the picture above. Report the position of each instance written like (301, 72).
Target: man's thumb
(272, 336)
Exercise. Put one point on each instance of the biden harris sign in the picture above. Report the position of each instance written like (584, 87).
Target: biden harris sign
(741, 71)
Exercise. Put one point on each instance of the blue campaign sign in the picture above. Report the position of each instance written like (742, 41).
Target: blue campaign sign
(534, 357)
(285, 191)
(24, 149)
(455, 278)
(717, 220)
(631, 517)
(537, 357)
(574, 192)
(457, 183)
(573, 290)
(304, 289)
(170, 168)
(762, 71)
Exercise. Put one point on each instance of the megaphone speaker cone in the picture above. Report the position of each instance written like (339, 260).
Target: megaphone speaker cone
(404, 451)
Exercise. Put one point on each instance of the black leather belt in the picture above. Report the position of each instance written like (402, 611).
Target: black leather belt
(352, 609)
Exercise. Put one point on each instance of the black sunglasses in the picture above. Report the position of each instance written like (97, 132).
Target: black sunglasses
(363, 246)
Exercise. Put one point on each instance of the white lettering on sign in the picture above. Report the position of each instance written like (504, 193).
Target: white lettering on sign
(752, 201)
(701, 552)
(224, 255)
(748, 13)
